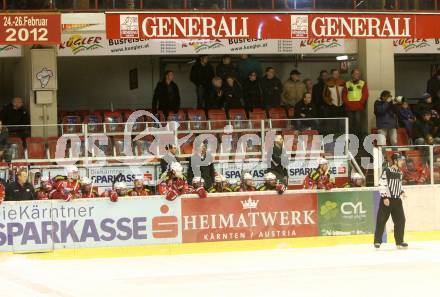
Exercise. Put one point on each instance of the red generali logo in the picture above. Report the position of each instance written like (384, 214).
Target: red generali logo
(165, 226)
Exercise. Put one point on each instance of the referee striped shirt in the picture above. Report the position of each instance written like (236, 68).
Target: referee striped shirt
(390, 183)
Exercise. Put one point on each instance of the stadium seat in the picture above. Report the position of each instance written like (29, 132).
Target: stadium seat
(36, 148)
(113, 121)
(402, 137)
(140, 121)
(291, 112)
(71, 124)
(16, 147)
(180, 117)
(142, 147)
(278, 116)
(256, 115)
(197, 118)
(238, 118)
(217, 117)
(93, 120)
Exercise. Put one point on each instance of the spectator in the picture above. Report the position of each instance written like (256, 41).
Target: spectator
(246, 65)
(252, 93)
(207, 172)
(304, 109)
(233, 94)
(423, 131)
(279, 161)
(20, 189)
(355, 95)
(309, 85)
(216, 95)
(271, 89)
(424, 104)
(413, 175)
(293, 89)
(5, 154)
(15, 114)
(406, 116)
(166, 95)
(433, 88)
(333, 92)
(168, 158)
(226, 68)
(318, 89)
(386, 121)
(201, 76)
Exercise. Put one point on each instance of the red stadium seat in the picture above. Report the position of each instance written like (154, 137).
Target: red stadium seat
(71, 124)
(256, 115)
(402, 137)
(217, 118)
(180, 117)
(118, 144)
(278, 116)
(93, 121)
(291, 112)
(36, 148)
(197, 118)
(113, 121)
(16, 147)
(238, 118)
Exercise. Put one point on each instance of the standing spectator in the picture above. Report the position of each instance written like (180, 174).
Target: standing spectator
(355, 95)
(309, 85)
(166, 95)
(279, 161)
(15, 114)
(406, 116)
(293, 89)
(433, 88)
(232, 93)
(271, 89)
(168, 158)
(246, 65)
(201, 76)
(216, 96)
(424, 104)
(318, 89)
(20, 189)
(226, 68)
(386, 121)
(304, 109)
(423, 131)
(5, 154)
(333, 92)
(201, 164)
(252, 94)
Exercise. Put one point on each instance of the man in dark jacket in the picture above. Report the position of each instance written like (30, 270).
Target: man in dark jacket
(5, 153)
(272, 88)
(246, 65)
(226, 68)
(168, 158)
(15, 113)
(386, 118)
(21, 189)
(232, 93)
(166, 95)
(424, 104)
(304, 109)
(423, 131)
(433, 88)
(279, 161)
(318, 89)
(205, 171)
(252, 94)
(201, 76)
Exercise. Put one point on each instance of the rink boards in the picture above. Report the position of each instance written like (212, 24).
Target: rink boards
(91, 223)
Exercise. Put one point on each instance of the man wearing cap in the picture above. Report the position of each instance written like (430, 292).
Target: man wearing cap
(293, 89)
(391, 192)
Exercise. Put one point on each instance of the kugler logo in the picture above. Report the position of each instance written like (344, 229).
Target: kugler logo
(320, 44)
(7, 48)
(410, 44)
(79, 43)
(200, 46)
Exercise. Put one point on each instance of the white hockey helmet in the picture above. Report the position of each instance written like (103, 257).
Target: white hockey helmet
(234, 182)
(247, 176)
(269, 176)
(45, 179)
(322, 161)
(86, 181)
(198, 180)
(120, 186)
(176, 167)
(356, 175)
(219, 178)
(72, 171)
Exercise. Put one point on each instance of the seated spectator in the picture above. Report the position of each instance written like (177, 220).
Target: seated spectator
(424, 104)
(15, 114)
(252, 93)
(386, 120)
(424, 132)
(226, 68)
(233, 94)
(21, 189)
(5, 153)
(304, 109)
(271, 88)
(413, 175)
(246, 65)
(293, 89)
(216, 96)
(406, 116)
(333, 92)
(166, 95)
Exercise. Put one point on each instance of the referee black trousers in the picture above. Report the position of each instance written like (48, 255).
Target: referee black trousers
(395, 209)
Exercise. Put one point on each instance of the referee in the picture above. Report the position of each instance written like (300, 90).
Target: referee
(391, 191)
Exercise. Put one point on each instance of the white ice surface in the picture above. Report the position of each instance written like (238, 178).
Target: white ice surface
(355, 270)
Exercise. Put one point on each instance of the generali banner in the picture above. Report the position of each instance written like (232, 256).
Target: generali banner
(270, 26)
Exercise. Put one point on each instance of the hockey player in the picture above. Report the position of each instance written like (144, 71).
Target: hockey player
(234, 185)
(2, 192)
(120, 189)
(87, 188)
(220, 185)
(319, 178)
(173, 182)
(247, 184)
(67, 187)
(357, 181)
(45, 188)
(271, 184)
(198, 187)
(139, 187)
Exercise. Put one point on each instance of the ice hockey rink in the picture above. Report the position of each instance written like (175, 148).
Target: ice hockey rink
(345, 270)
